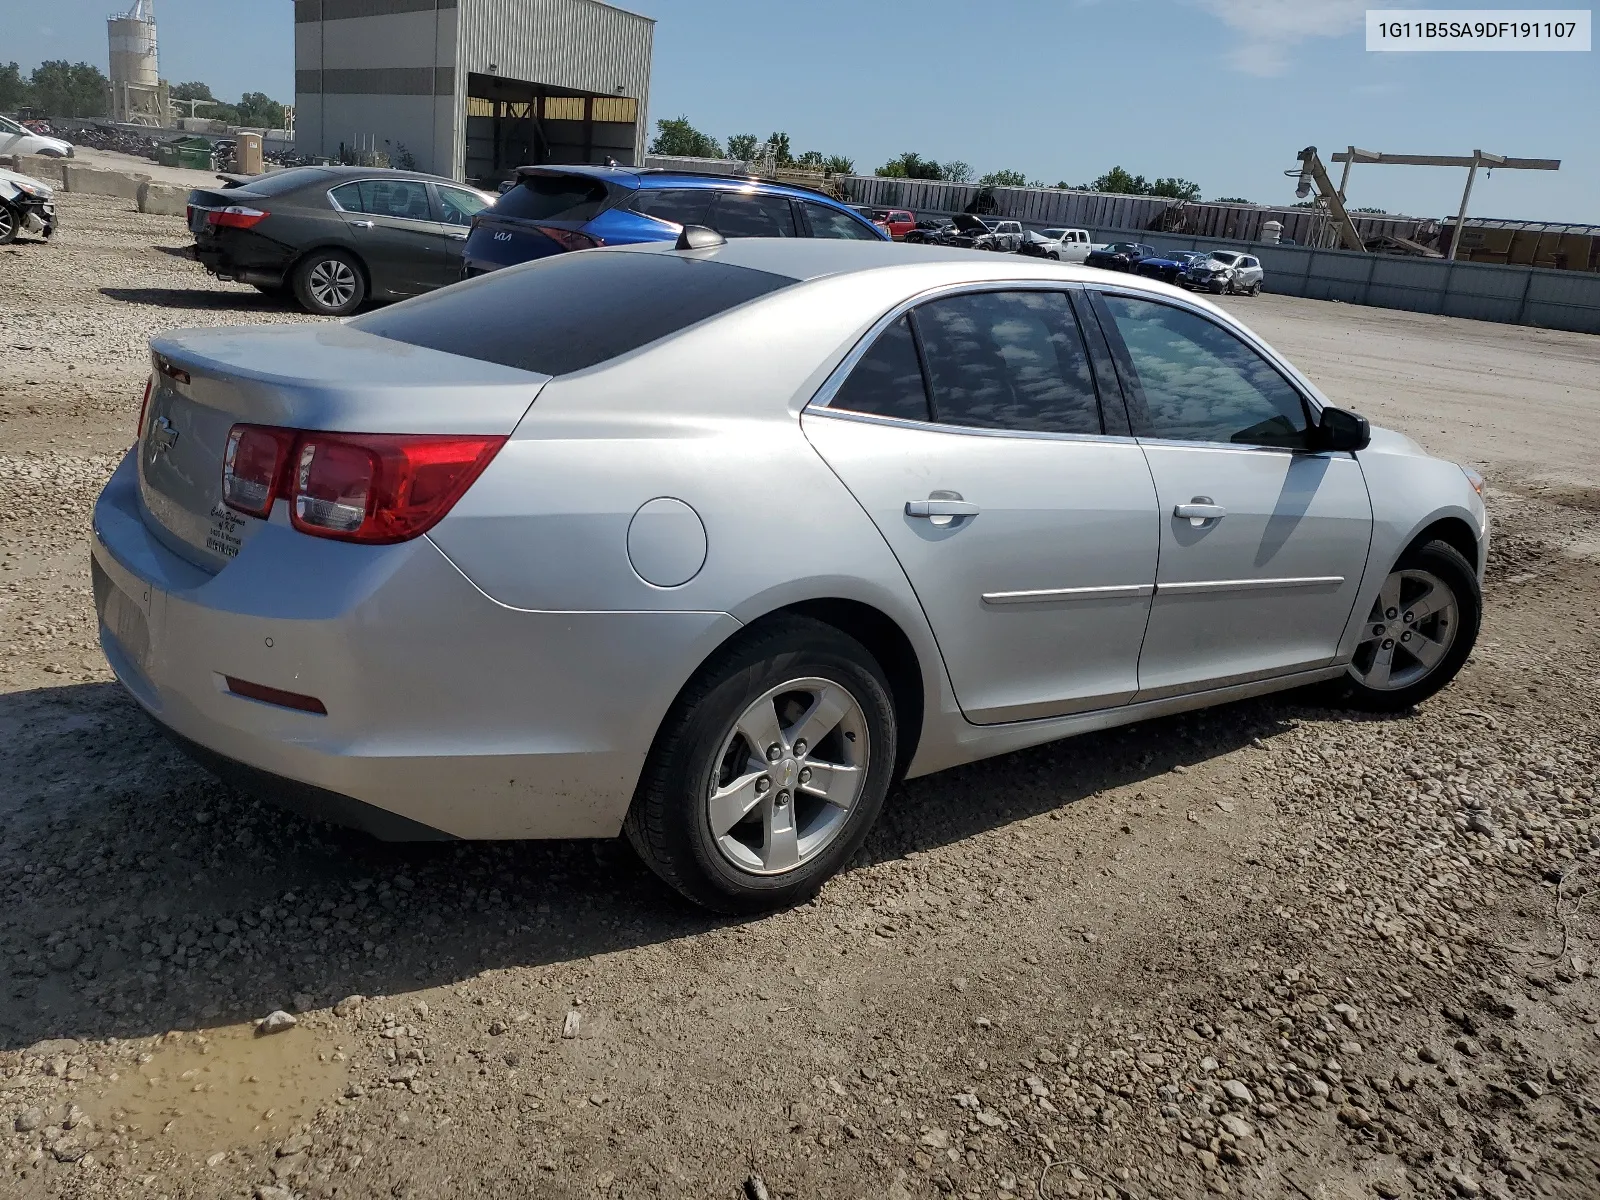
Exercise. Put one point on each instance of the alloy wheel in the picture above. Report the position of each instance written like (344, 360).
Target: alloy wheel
(8, 224)
(788, 775)
(1410, 630)
(332, 283)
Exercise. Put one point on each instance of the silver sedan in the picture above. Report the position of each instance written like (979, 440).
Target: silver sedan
(710, 545)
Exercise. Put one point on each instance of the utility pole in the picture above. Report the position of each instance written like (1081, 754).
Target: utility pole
(1479, 158)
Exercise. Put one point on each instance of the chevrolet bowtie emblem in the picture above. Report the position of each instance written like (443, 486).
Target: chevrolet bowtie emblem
(163, 436)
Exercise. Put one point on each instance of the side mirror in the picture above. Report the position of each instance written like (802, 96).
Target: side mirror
(1341, 429)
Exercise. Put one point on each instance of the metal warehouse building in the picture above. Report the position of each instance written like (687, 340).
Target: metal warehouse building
(472, 89)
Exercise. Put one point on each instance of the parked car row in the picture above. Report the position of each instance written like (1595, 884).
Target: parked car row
(335, 237)
(1215, 271)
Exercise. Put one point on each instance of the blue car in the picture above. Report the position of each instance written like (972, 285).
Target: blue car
(554, 209)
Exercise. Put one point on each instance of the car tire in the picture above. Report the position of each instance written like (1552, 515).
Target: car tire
(756, 689)
(1218, 288)
(10, 223)
(330, 283)
(1255, 288)
(1385, 676)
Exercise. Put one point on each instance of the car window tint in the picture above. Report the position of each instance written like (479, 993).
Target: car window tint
(571, 311)
(680, 206)
(1008, 360)
(829, 222)
(553, 198)
(753, 214)
(460, 205)
(402, 198)
(348, 196)
(1201, 383)
(888, 380)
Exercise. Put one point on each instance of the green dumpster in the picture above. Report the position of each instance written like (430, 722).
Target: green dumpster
(192, 152)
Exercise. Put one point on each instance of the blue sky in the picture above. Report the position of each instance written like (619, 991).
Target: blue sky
(1223, 92)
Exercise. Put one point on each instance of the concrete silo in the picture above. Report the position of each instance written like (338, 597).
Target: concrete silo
(137, 94)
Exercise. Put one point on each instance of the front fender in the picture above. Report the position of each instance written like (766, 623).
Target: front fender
(1409, 494)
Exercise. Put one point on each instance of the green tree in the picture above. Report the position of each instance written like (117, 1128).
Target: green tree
(1383, 211)
(1232, 200)
(779, 142)
(1120, 182)
(260, 111)
(193, 90)
(1178, 189)
(743, 146)
(838, 164)
(910, 165)
(1004, 179)
(14, 90)
(956, 171)
(676, 136)
(811, 160)
(64, 89)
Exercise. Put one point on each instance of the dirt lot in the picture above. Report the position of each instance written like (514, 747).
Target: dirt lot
(1271, 950)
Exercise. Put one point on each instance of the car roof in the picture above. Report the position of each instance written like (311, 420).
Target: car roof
(656, 177)
(805, 259)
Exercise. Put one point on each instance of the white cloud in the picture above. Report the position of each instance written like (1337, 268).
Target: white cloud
(1269, 29)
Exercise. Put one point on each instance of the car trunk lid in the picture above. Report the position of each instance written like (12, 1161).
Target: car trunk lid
(326, 377)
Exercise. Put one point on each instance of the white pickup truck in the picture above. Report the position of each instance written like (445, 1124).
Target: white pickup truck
(1067, 245)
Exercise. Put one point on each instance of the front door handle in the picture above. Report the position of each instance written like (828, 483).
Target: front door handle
(941, 508)
(362, 224)
(1200, 511)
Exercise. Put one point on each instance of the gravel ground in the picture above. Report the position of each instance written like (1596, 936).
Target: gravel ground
(1270, 950)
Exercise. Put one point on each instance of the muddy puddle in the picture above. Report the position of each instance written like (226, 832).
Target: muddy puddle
(221, 1088)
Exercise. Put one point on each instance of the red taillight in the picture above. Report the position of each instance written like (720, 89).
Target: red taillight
(252, 466)
(376, 488)
(144, 407)
(568, 239)
(236, 216)
(188, 215)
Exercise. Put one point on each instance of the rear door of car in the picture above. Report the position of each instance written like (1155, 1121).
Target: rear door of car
(454, 208)
(394, 231)
(751, 213)
(970, 430)
(1263, 539)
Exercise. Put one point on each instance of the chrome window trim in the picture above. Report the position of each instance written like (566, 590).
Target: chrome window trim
(843, 414)
(337, 207)
(819, 404)
(1296, 381)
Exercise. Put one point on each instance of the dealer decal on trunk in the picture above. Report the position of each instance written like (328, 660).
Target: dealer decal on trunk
(225, 537)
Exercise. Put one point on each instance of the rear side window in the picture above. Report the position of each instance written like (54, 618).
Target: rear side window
(554, 198)
(1008, 360)
(571, 311)
(829, 222)
(348, 196)
(752, 214)
(887, 382)
(680, 206)
(405, 199)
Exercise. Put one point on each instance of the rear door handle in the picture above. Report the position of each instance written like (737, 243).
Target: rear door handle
(941, 508)
(1200, 510)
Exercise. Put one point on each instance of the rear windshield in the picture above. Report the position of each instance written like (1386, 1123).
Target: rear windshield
(553, 198)
(571, 311)
(279, 183)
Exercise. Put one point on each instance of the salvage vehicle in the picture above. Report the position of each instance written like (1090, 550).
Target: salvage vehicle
(1222, 271)
(897, 221)
(17, 138)
(963, 231)
(1118, 256)
(335, 237)
(1166, 267)
(524, 558)
(1068, 245)
(553, 210)
(27, 205)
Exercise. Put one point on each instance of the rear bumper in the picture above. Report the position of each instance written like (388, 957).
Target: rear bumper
(452, 713)
(248, 258)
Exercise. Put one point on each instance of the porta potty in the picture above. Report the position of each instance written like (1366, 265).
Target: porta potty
(247, 154)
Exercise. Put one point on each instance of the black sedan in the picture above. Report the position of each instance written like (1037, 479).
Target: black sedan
(336, 236)
(1119, 256)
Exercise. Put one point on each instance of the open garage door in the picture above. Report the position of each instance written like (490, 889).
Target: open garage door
(513, 123)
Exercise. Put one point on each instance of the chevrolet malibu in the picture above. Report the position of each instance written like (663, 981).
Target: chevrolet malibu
(710, 545)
